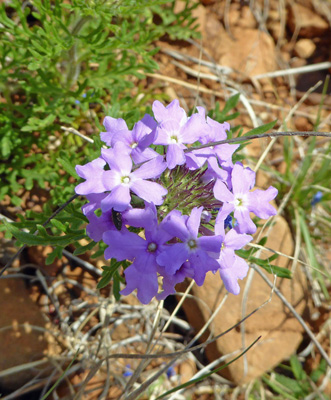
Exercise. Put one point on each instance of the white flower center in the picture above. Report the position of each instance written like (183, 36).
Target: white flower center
(134, 145)
(152, 247)
(192, 244)
(125, 179)
(240, 201)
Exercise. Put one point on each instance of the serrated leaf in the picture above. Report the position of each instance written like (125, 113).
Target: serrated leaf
(68, 167)
(35, 240)
(107, 273)
(56, 253)
(83, 249)
(57, 224)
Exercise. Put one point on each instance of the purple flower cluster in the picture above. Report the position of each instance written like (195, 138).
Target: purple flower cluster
(183, 213)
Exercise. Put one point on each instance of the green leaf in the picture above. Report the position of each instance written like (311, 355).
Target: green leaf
(261, 129)
(107, 274)
(231, 103)
(56, 253)
(5, 146)
(116, 286)
(278, 271)
(297, 369)
(278, 389)
(57, 224)
(35, 240)
(83, 249)
(67, 166)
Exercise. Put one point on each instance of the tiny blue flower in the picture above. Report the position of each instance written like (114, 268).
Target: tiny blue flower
(170, 372)
(316, 198)
(77, 101)
(128, 371)
(228, 222)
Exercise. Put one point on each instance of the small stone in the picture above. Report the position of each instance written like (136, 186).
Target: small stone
(242, 16)
(306, 22)
(304, 48)
(302, 124)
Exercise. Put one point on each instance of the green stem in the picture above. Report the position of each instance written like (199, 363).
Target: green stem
(73, 64)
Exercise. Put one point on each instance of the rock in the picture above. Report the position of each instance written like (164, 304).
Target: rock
(304, 48)
(302, 124)
(307, 23)
(187, 369)
(241, 16)
(19, 342)
(252, 52)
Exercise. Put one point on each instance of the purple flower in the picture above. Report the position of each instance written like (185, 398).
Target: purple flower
(242, 201)
(232, 267)
(175, 130)
(137, 141)
(231, 275)
(192, 248)
(120, 180)
(94, 202)
(213, 132)
(113, 126)
(97, 226)
(125, 245)
(170, 280)
(93, 173)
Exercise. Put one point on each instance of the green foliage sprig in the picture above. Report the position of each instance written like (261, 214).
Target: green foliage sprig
(59, 63)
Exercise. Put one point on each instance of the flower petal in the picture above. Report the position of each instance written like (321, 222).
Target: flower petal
(118, 199)
(227, 258)
(245, 224)
(173, 111)
(258, 202)
(193, 129)
(242, 179)
(230, 276)
(175, 156)
(123, 245)
(194, 221)
(150, 169)
(222, 193)
(149, 191)
(211, 244)
(118, 158)
(224, 212)
(173, 257)
(140, 155)
(93, 173)
(235, 240)
(175, 224)
(146, 284)
(112, 126)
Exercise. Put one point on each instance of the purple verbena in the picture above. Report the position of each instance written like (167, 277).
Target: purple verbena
(184, 214)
